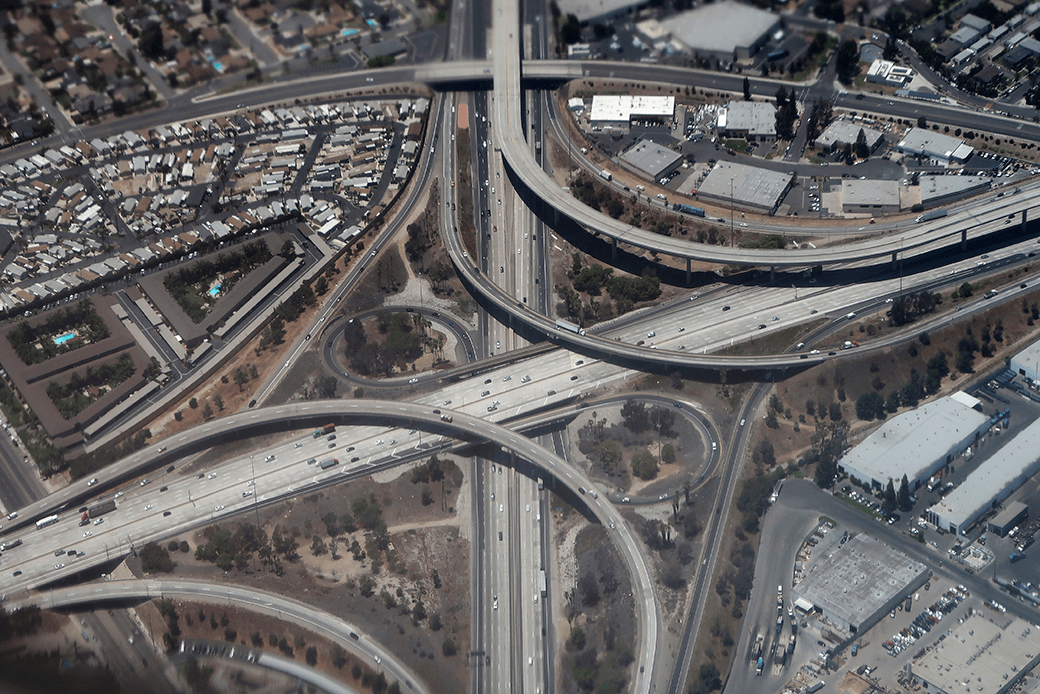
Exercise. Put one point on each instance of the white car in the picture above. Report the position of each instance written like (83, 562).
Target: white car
(99, 521)
(148, 507)
(212, 475)
(218, 508)
(87, 534)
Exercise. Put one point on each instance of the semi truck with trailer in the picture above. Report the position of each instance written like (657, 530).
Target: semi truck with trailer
(101, 509)
(326, 464)
(606, 175)
(570, 327)
(324, 431)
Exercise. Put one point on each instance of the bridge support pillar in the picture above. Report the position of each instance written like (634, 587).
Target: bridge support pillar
(613, 249)
(1024, 220)
(895, 258)
(688, 262)
(964, 238)
(772, 273)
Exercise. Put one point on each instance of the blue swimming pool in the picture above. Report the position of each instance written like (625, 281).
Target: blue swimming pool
(62, 339)
(215, 290)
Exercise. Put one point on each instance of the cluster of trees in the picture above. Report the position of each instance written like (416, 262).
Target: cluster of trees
(596, 196)
(23, 622)
(420, 238)
(908, 308)
(290, 309)
(73, 397)
(872, 405)
(229, 549)
(34, 344)
(430, 471)
(828, 442)
(403, 344)
(847, 62)
(189, 285)
(753, 499)
(786, 113)
(833, 10)
(629, 291)
(638, 418)
(155, 558)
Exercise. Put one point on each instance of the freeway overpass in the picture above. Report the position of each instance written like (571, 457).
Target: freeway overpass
(347, 635)
(266, 420)
(507, 108)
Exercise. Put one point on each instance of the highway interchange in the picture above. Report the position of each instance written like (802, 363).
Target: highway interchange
(514, 240)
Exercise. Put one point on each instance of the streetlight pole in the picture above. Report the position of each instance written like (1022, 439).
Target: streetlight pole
(256, 507)
(732, 206)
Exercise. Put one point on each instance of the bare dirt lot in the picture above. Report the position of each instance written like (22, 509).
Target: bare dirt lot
(400, 573)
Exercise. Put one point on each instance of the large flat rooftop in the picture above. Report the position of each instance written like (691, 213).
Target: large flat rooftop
(751, 186)
(911, 442)
(980, 655)
(859, 579)
(722, 27)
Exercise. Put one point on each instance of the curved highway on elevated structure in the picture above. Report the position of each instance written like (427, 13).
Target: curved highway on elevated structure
(271, 604)
(449, 423)
(514, 148)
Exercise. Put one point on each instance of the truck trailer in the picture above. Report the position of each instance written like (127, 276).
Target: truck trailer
(101, 509)
(570, 327)
(326, 464)
(325, 430)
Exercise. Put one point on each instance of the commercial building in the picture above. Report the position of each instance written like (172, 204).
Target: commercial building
(1027, 362)
(942, 149)
(843, 132)
(888, 73)
(754, 120)
(859, 583)
(937, 191)
(917, 443)
(992, 482)
(598, 11)
(618, 111)
(744, 187)
(651, 159)
(1007, 519)
(729, 30)
(979, 655)
(872, 197)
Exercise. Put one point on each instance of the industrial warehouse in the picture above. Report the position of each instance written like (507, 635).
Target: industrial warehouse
(979, 655)
(745, 187)
(917, 443)
(990, 484)
(859, 583)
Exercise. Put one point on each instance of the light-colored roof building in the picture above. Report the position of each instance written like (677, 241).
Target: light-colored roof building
(1027, 362)
(886, 72)
(725, 28)
(651, 159)
(939, 190)
(916, 443)
(621, 109)
(936, 146)
(593, 11)
(869, 196)
(993, 481)
(979, 655)
(860, 582)
(745, 187)
(842, 131)
(965, 36)
(755, 120)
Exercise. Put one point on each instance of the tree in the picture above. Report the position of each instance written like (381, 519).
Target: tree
(207, 6)
(151, 42)
(870, 406)
(448, 648)
(747, 89)
(903, 497)
(644, 465)
(891, 51)
(312, 656)
(862, 149)
(219, 401)
(668, 453)
(889, 502)
(207, 412)
(570, 32)
(847, 62)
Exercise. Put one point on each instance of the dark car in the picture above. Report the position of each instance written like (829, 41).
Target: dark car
(725, 308)
(166, 513)
(252, 403)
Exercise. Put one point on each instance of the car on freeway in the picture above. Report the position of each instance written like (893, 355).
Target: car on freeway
(118, 494)
(92, 482)
(212, 475)
(218, 508)
(87, 534)
(99, 521)
(166, 513)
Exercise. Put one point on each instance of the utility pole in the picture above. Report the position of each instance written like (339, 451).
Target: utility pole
(732, 206)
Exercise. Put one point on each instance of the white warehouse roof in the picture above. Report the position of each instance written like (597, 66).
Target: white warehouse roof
(623, 108)
(911, 443)
(993, 480)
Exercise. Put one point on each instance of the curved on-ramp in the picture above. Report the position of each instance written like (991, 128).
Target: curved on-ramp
(515, 150)
(255, 600)
(313, 413)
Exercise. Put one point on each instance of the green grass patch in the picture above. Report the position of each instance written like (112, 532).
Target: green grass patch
(738, 145)
(772, 241)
